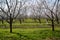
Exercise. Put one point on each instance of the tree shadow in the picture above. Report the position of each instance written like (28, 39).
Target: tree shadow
(22, 36)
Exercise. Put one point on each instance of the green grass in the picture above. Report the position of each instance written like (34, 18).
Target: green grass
(30, 30)
(34, 21)
(30, 34)
(28, 23)
(25, 25)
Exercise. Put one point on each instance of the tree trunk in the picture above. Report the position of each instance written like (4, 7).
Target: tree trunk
(52, 25)
(11, 24)
(20, 21)
(10, 27)
(2, 22)
(39, 20)
(52, 20)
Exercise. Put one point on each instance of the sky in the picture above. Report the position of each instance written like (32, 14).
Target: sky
(33, 1)
(29, 2)
(50, 2)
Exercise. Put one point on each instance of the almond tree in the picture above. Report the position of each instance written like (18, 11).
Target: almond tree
(12, 10)
(36, 12)
(51, 11)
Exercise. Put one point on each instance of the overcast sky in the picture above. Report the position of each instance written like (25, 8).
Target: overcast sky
(33, 2)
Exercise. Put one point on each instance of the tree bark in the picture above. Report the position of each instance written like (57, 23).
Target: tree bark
(20, 21)
(2, 22)
(39, 20)
(11, 24)
(52, 25)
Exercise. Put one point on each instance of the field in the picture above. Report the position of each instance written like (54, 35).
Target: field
(28, 23)
(29, 30)
(30, 34)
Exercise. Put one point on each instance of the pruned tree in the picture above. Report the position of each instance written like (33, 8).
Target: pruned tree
(35, 13)
(51, 10)
(23, 14)
(12, 10)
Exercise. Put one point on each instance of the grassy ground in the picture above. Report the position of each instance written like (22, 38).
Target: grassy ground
(30, 34)
(28, 23)
(29, 30)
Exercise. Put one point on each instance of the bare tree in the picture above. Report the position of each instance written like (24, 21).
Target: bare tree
(13, 10)
(23, 14)
(35, 13)
(51, 11)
